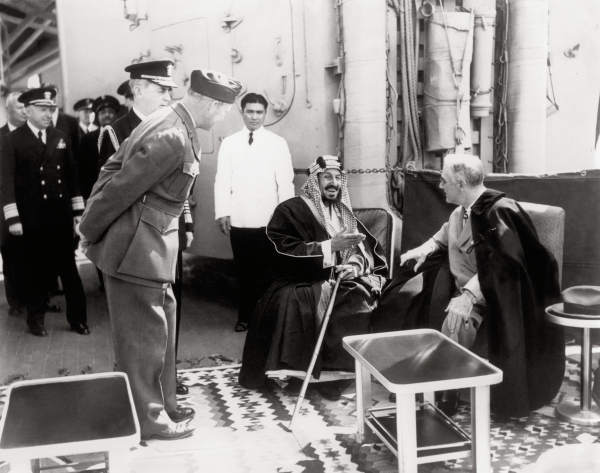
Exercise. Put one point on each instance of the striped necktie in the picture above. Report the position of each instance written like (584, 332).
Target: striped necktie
(465, 217)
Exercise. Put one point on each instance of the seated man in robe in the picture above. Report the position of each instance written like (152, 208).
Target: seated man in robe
(316, 237)
(484, 279)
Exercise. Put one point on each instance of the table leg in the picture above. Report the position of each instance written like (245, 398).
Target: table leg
(406, 425)
(21, 465)
(363, 399)
(586, 369)
(480, 429)
(583, 412)
(118, 461)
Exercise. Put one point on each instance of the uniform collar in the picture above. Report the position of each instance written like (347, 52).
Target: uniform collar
(36, 130)
(255, 132)
(55, 116)
(468, 209)
(11, 127)
(189, 113)
(138, 113)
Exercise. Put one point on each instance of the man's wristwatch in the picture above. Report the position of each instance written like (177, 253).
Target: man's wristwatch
(471, 296)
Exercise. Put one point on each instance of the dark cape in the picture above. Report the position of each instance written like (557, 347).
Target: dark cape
(284, 329)
(518, 279)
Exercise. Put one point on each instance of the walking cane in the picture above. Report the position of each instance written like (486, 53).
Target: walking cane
(313, 361)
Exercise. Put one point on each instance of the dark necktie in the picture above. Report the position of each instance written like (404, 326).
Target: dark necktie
(40, 136)
(250, 139)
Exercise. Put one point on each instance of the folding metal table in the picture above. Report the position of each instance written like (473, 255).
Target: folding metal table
(422, 361)
(67, 416)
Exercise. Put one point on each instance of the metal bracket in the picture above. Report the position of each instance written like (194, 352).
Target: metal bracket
(338, 64)
(136, 22)
(571, 53)
(278, 59)
(229, 22)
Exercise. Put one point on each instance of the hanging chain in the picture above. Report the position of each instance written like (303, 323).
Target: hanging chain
(501, 140)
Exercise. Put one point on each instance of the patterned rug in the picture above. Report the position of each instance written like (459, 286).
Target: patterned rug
(241, 430)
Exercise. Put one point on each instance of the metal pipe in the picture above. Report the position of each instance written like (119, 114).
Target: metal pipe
(365, 68)
(526, 97)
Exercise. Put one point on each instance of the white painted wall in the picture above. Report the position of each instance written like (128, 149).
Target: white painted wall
(96, 45)
(570, 133)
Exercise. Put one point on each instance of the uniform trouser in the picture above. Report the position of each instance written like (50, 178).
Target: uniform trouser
(143, 327)
(178, 293)
(15, 284)
(250, 248)
(53, 248)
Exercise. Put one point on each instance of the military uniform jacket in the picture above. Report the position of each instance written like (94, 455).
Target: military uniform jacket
(39, 182)
(87, 162)
(132, 216)
(4, 132)
(69, 125)
(110, 141)
(115, 133)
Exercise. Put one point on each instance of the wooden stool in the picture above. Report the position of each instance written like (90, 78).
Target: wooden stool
(418, 361)
(67, 416)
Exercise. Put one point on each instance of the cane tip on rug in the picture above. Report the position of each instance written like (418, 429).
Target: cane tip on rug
(580, 458)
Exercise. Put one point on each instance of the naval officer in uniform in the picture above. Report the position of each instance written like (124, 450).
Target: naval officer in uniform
(106, 108)
(41, 203)
(130, 231)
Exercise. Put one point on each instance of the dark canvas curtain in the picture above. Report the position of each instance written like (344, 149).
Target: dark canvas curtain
(425, 210)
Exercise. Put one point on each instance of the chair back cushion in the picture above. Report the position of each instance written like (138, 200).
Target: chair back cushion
(549, 223)
(380, 224)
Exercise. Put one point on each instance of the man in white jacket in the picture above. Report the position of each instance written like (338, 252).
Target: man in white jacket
(254, 175)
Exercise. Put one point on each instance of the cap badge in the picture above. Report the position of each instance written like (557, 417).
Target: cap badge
(170, 69)
(48, 95)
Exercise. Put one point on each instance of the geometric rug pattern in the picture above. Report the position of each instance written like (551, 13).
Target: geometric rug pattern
(241, 430)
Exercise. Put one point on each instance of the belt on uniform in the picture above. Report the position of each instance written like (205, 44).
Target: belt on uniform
(157, 203)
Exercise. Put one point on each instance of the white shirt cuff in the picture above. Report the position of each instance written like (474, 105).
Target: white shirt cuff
(327, 255)
(474, 288)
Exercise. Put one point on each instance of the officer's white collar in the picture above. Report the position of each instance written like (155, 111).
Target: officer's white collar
(55, 116)
(35, 129)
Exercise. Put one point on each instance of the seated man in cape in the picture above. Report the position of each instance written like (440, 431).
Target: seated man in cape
(316, 237)
(484, 279)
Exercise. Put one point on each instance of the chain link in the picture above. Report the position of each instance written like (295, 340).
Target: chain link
(375, 170)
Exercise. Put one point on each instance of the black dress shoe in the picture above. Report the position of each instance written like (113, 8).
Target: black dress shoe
(333, 390)
(447, 401)
(37, 328)
(81, 329)
(181, 389)
(14, 312)
(182, 413)
(55, 309)
(294, 386)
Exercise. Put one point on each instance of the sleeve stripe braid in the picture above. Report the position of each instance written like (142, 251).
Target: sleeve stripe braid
(187, 215)
(77, 203)
(10, 211)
